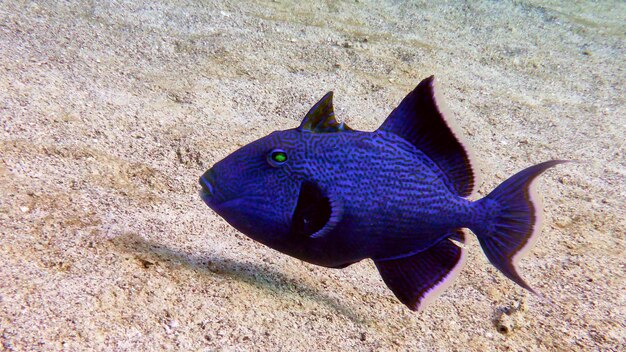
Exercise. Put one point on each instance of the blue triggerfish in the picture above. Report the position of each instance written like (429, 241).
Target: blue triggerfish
(333, 196)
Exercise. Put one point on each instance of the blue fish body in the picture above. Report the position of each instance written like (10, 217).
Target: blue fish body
(333, 196)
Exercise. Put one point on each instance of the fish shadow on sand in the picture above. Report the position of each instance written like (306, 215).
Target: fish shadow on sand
(150, 253)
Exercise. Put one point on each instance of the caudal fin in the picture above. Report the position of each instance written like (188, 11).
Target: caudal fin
(513, 220)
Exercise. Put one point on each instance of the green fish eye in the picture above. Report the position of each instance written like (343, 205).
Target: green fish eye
(277, 157)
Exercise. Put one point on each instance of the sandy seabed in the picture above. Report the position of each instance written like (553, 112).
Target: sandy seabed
(110, 111)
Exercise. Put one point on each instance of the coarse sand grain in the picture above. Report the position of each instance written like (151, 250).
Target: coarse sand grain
(109, 112)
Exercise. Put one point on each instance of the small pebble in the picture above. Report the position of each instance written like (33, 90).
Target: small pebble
(505, 324)
(24, 209)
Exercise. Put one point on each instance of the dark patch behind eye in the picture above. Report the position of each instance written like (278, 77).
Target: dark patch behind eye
(312, 211)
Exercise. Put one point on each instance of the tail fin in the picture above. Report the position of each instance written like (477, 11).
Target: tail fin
(513, 220)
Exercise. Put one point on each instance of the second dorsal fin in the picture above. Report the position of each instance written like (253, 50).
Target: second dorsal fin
(321, 117)
(419, 120)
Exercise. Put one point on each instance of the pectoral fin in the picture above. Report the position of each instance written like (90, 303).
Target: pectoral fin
(315, 214)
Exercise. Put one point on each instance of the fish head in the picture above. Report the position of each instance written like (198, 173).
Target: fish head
(276, 189)
(256, 188)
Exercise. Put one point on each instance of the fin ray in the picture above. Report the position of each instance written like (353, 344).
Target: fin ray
(419, 278)
(420, 119)
(321, 117)
(516, 222)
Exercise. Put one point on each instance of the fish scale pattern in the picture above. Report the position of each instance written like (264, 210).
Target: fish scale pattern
(393, 197)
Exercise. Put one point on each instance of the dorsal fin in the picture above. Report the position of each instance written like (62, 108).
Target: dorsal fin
(321, 117)
(419, 119)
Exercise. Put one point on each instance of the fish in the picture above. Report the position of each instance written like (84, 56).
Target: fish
(401, 196)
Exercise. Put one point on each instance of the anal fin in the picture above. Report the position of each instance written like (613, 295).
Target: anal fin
(419, 278)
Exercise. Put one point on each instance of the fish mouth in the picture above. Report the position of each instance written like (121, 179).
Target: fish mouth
(238, 203)
(209, 194)
(207, 182)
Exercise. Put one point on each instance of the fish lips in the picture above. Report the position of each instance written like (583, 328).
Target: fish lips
(206, 197)
(207, 182)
